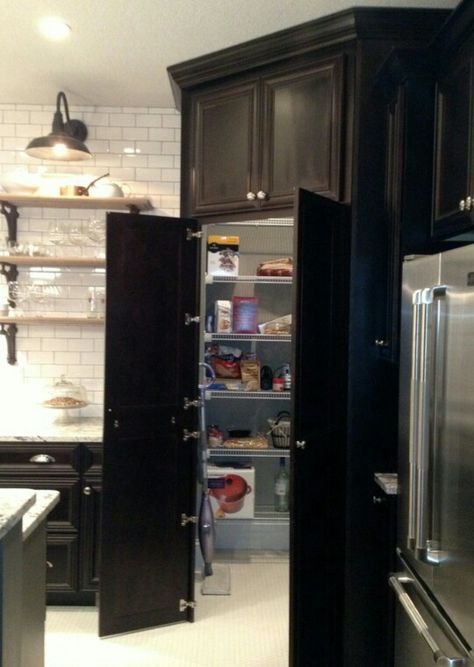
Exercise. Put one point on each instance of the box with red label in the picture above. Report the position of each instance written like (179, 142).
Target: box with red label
(232, 492)
(244, 314)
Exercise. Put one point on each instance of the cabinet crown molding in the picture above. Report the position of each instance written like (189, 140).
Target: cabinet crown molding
(358, 23)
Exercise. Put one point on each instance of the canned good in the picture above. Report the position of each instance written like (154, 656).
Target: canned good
(278, 384)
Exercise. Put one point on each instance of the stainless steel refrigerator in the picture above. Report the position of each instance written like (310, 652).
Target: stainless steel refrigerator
(434, 620)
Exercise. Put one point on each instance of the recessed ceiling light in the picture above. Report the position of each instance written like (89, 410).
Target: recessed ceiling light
(54, 28)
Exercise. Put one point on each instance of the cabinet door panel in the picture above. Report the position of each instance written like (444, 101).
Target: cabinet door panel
(302, 132)
(149, 467)
(453, 150)
(90, 538)
(319, 406)
(61, 562)
(225, 148)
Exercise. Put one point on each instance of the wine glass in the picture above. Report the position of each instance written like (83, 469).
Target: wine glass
(76, 233)
(56, 233)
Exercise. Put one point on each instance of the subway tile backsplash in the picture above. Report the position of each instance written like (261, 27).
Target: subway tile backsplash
(138, 147)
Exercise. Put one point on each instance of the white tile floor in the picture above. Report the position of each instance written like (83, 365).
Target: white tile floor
(249, 628)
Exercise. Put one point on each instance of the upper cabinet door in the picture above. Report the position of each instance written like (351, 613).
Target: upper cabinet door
(224, 150)
(302, 132)
(253, 142)
(149, 463)
(453, 199)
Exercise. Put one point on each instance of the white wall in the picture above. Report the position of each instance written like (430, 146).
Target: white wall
(44, 352)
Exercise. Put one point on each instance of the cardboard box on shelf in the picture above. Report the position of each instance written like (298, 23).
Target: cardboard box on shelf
(223, 255)
(223, 316)
(244, 314)
(232, 492)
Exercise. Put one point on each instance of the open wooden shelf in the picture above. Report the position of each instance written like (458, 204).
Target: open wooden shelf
(111, 203)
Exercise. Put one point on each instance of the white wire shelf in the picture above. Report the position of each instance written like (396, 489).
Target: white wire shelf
(257, 338)
(257, 280)
(232, 394)
(270, 453)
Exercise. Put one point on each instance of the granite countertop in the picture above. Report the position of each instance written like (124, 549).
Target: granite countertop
(87, 429)
(44, 503)
(29, 505)
(13, 505)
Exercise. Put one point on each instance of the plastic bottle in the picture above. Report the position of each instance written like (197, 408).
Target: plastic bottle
(282, 488)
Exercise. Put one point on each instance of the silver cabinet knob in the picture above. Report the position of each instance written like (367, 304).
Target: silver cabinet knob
(251, 196)
(87, 491)
(300, 444)
(42, 458)
(262, 195)
(462, 204)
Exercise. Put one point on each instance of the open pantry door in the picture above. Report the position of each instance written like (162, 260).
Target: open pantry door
(151, 364)
(320, 325)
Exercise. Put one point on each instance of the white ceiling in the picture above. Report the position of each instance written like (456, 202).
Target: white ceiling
(119, 50)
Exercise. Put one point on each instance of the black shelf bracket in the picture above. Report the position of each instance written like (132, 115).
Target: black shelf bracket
(11, 216)
(10, 271)
(9, 331)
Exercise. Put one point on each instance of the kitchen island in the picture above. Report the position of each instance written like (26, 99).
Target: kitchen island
(22, 575)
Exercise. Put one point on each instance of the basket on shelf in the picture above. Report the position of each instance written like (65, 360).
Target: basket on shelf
(280, 430)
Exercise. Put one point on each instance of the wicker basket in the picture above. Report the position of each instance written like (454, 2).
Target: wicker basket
(280, 430)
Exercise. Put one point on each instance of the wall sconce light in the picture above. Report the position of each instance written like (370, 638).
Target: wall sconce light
(65, 142)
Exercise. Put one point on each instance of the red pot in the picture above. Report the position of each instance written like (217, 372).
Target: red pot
(231, 496)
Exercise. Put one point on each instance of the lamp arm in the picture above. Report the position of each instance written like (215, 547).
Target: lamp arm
(62, 96)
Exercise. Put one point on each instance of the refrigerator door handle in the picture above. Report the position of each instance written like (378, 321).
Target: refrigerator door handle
(423, 545)
(396, 581)
(414, 416)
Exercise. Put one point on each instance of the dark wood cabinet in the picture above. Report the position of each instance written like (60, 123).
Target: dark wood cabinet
(346, 409)
(453, 186)
(254, 140)
(72, 525)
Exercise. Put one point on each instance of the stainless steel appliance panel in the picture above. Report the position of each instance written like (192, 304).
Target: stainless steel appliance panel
(423, 636)
(453, 456)
(418, 273)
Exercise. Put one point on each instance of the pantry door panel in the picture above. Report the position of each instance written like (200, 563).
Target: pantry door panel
(151, 363)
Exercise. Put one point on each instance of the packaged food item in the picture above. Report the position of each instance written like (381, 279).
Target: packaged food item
(244, 314)
(215, 436)
(223, 255)
(223, 316)
(250, 371)
(225, 360)
(276, 267)
(252, 442)
(280, 325)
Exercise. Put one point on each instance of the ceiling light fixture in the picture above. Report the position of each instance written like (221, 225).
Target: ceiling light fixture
(65, 142)
(54, 28)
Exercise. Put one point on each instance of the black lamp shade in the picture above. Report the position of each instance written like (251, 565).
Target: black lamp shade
(65, 142)
(58, 146)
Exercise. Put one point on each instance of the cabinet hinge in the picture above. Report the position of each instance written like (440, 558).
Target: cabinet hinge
(187, 604)
(187, 435)
(190, 235)
(185, 519)
(191, 404)
(191, 319)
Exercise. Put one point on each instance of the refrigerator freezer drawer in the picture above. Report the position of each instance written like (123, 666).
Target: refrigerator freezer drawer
(422, 636)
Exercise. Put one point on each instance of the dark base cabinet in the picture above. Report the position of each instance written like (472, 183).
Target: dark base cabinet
(74, 470)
